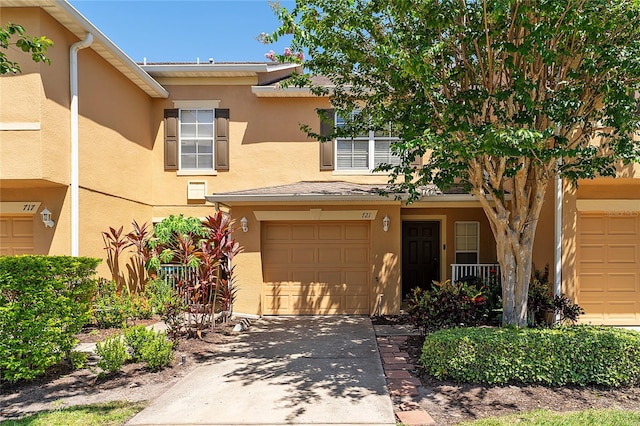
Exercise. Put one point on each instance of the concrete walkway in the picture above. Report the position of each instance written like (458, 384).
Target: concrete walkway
(284, 370)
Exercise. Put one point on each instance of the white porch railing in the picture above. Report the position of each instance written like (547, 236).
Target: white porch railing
(172, 274)
(481, 270)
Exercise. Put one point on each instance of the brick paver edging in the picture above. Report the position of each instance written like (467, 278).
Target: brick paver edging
(402, 385)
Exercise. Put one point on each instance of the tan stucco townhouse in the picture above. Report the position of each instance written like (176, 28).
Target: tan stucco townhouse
(98, 140)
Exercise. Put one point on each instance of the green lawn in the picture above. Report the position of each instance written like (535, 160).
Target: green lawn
(552, 418)
(107, 414)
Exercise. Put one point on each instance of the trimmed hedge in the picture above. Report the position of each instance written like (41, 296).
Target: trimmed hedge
(44, 301)
(574, 355)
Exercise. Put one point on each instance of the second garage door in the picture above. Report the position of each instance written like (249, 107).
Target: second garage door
(315, 268)
(16, 235)
(608, 259)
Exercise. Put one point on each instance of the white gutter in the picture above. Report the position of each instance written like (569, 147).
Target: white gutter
(75, 22)
(155, 69)
(75, 153)
(277, 92)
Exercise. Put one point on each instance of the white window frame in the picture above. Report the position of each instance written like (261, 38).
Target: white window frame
(195, 104)
(477, 237)
(371, 140)
(198, 170)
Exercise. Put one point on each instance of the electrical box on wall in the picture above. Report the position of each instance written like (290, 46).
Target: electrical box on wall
(196, 190)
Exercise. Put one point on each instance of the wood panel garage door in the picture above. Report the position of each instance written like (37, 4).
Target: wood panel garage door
(608, 259)
(315, 268)
(16, 235)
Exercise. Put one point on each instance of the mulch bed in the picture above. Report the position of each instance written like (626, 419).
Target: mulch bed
(450, 403)
(62, 386)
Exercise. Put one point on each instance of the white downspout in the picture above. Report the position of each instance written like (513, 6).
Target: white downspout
(557, 285)
(75, 155)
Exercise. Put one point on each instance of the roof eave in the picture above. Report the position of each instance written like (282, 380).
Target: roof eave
(160, 70)
(107, 49)
(278, 92)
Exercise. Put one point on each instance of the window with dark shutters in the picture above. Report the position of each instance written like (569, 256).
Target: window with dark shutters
(195, 157)
(222, 139)
(327, 118)
(171, 140)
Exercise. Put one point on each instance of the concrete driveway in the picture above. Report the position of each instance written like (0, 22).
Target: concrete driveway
(284, 370)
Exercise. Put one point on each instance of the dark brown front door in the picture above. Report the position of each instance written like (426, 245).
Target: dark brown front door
(420, 255)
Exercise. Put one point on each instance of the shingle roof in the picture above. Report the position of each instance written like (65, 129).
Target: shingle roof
(312, 188)
(327, 190)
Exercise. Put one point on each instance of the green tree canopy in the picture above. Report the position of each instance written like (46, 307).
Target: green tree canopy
(14, 35)
(503, 96)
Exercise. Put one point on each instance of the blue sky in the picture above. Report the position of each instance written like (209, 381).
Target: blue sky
(183, 30)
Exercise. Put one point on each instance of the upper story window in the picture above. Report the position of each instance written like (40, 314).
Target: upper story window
(366, 151)
(196, 139)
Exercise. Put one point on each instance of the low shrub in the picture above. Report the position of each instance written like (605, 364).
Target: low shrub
(572, 355)
(44, 301)
(136, 338)
(113, 354)
(77, 359)
(447, 304)
(159, 293)
(167, 303)
(113, 308)
(139, 345)
(543, 305)
(110, 308)
(140, 307)
(157, 352)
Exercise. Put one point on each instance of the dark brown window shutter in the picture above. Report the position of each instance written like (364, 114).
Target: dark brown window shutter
(326, 148)
(171, 139)
(222, 139)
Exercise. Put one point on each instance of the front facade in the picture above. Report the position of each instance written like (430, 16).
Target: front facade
(159, 139)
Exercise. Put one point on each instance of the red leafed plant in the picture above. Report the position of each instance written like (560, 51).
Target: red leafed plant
(136, 267)
(220, 228)
(204, 251)
(115, 243)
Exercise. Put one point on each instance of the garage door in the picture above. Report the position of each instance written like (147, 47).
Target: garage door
(609, 268)
(315, 268)
(16, 235)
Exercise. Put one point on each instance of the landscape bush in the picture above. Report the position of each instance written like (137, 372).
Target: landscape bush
(44, 301)
(136, 338)
(137, 344)
(194, 259)
(543, 305)
(112, 308)
(570, 355)
(470, 301)
(157, 352)
(113, 354)
(447, 304)
(169, 304)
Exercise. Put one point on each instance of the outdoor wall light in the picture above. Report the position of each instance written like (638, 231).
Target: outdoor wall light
(245, 225)
(385, 223)
(46, 218)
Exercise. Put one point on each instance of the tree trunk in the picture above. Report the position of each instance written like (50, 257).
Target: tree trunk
(515, 270)
(513, 223)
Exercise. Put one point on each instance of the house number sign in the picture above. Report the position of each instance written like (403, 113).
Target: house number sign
(19, 207)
